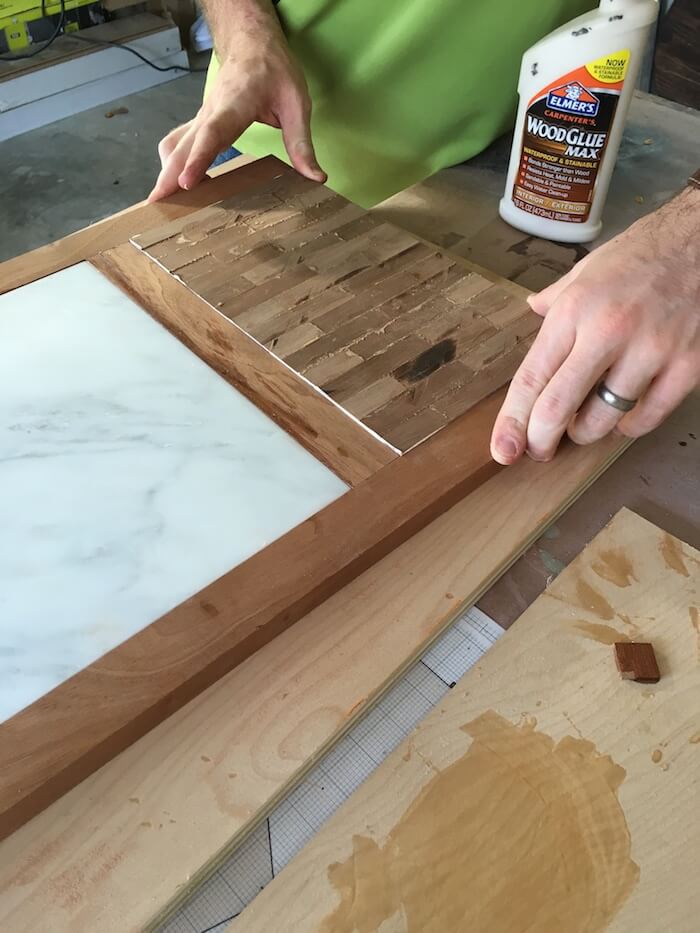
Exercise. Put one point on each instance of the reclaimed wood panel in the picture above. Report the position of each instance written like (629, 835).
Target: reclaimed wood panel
(67, 734)
(346, 447)
(404, 336)
(125, 847)
(544, 792)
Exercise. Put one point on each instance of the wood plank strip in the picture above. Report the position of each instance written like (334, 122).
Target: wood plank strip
(374, 396)
(344, 445)
(47, 748)
(383, 364)
(588, 780)
(293, 340)
(449, 378)
(116, 229)
(97, 859)
(417, 427)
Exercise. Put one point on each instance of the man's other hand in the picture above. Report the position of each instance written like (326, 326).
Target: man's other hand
(628, 314)
(257, 81)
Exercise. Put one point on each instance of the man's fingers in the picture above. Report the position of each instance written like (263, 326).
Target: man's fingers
(543, 301)
(551, 347)
(169, 142)
(562, 398)
(295, 121)
(207, 144)
(664, 394)
(167, 182)
(628, 377)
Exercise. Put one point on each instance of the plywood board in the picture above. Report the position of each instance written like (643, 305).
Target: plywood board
(124, 847)
(402, 335)
(545, 792)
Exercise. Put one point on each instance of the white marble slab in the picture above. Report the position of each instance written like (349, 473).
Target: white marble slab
(131, 475)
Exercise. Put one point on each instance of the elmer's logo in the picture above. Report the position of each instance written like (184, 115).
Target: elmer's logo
(573, 98)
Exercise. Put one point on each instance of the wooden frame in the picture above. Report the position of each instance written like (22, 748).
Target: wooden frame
(173, 659)
(71, 731)
(65, 735)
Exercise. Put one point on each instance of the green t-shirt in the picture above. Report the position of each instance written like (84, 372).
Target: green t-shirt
(403, 88)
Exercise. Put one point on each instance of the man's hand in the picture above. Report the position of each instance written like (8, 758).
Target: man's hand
(258, 80)
(629, 313)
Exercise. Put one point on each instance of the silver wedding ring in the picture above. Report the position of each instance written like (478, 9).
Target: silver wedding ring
(612, 398)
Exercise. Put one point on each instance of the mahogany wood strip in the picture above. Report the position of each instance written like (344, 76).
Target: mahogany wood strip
(399, 310)
(119, 227)
(343, 444)
(83, 723)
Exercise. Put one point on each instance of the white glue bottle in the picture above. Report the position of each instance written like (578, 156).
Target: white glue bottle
(575, 89)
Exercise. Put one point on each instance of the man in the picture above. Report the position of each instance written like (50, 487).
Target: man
(402, 88)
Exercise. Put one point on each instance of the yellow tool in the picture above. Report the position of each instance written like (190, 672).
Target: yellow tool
(15, 16)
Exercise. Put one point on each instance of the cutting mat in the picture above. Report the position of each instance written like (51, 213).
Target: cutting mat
(264, 854)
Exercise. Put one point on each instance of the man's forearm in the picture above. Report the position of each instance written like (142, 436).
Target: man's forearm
(679, 222)
(237, 24)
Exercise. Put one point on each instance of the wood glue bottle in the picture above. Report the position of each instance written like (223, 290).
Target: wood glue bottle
(575, 89)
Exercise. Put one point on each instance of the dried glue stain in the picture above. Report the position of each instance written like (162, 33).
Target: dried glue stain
(590, 598)
(525, 800)
(673, 555)
(694, 615)
(615, 567)
(605, 634)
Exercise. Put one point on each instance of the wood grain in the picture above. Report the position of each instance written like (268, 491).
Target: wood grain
(401, 334)
(348, 448)
(523, 800)
(119, 227)
(120, 851)
(67, 734)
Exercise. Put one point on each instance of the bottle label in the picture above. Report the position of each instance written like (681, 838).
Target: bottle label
(567, 125)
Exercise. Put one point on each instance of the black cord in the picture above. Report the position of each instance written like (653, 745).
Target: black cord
(103, 42)
(126, 48)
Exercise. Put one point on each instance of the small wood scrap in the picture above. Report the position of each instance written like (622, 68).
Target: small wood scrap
(116, 112)
(636, 661)
(398, 332)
